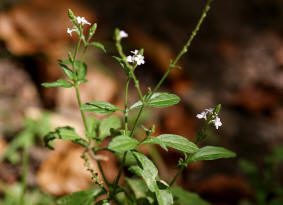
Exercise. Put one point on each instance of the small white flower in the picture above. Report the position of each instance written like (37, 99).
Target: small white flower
(130, 59)
(122, 34)
(217, 122)
(136, 58)
(139, 59)
(201, 115)
(69, 31)
(82, 20)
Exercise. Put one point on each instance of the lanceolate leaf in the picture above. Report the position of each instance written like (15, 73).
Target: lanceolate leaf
(175, 141)
(98, 45)
(187, 198)
(211, 153)
(123, 143)
(159, 100)
(59, 83)
(99, 107)
(82, 197)
(67, 133)
(107, 124)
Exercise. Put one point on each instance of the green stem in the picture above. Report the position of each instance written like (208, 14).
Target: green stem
(120, 172)
(136, 120)
(177, 175)
(126, 112)
(24, 175)
(186, 46)
(80, 104)
(173, 64)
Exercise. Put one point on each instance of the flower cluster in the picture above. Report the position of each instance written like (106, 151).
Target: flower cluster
(211, 115)
(80, 20)
(136, 58)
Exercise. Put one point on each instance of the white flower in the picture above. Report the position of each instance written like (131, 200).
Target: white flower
(139, 59)
(201, 115)
(69, 31)
(213, 117)
(82, 20)
(136, 58)
(129, 59)
(122, 34)
(204, 113)
(217, 122)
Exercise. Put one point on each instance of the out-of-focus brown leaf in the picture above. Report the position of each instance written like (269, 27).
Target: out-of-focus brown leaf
(99, 88)
(255, 99)
(34, 25)
(63, 171)
(3, 145)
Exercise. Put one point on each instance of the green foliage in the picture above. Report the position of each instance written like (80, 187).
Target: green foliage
(211, 153)
(158, 100)
(175, 141)
(59, 83)
(99, 107)
(108, 124)
(124, 142)
(86, 197)
(183, 197)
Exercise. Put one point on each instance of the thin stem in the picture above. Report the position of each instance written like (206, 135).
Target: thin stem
(24, 175)
(80, 104)
(177, 175)
(120, 172)
(186, 46)
(137, 85)
(136, 120)
(173, 64)
(126, 112)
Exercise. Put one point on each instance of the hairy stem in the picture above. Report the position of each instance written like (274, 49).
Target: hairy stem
(120, 172)
(126, 112)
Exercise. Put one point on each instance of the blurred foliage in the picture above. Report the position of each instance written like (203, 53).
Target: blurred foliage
(263, 180)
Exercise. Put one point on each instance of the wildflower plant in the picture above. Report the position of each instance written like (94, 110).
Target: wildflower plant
(147, 187)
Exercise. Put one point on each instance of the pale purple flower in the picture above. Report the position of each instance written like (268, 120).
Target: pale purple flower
(69, 31)
(213, 117)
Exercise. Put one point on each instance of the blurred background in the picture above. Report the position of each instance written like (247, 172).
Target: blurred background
(236, 60)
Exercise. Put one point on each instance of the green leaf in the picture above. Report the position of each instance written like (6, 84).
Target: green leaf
(123, 65)
(187, 198)
(82, 70)
(163, 193)
(99, 107)
(82, 197)
(107, 124)
(123, 143)
(211, 153)
(159, 100)
(92, 125)
(65, 133)
(148, 170)
(59, 83)
(69, 73)
(98, 45)
(175, 141)
(140, 189)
